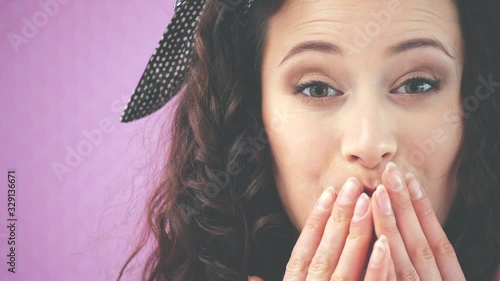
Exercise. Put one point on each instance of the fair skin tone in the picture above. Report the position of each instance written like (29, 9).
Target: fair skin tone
(381, 100)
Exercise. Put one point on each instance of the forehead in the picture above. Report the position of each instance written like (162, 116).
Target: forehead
(363, 26)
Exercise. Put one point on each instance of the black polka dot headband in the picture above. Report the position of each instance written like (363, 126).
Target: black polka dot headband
(167, 67)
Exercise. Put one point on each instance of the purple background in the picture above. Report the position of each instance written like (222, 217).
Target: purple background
(63, 88)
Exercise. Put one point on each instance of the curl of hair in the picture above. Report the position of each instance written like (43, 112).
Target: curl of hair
(216, 214)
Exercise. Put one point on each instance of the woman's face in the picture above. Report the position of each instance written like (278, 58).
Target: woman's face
(387, 88)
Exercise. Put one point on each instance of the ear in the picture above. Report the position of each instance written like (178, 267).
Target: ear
(254, 278)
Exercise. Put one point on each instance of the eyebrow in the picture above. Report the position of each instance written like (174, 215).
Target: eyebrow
(417, 43)
(329, 48)
(317, 46)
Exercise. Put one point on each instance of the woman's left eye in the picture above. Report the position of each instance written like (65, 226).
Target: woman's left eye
(418, 85)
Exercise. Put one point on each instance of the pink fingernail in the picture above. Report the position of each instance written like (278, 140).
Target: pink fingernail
(378, 254)
(349, 191)
(325, 201)
(413, 186)
(361, 207)
(383, 201)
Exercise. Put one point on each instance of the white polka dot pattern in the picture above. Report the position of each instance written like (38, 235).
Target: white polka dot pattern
(166, 68)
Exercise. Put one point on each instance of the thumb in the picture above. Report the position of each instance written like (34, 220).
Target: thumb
(254, 278)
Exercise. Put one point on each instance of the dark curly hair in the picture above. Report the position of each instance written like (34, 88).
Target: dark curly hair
(216, 213)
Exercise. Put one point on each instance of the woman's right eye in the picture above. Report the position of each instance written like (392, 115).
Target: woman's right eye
(316, 89)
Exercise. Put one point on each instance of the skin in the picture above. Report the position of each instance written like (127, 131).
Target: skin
(368, 120)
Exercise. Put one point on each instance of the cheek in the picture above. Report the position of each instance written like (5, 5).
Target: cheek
(301, 156)
(431, 144)
(432, 152)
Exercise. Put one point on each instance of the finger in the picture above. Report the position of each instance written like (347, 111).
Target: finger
(392, 271)
(385, 223)
(378, 266)
(444, 253)
(330, 248)
(408, 224)
(310, 236)
(254, 278)
(351, 262)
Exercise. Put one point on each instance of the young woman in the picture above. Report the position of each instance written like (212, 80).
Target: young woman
(329, 140)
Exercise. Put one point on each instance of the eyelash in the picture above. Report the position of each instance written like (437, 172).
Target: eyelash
(435, 85)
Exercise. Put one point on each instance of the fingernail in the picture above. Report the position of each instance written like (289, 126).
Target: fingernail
(349, 191)
(361, 207)
(389, 165)
(383, 202)
(325, 201)
(378, 254)
(383, 239)
(395, 176)
(413, 186)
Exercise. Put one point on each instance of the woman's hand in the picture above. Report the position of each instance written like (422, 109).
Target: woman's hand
(335, 239)
(419, 246)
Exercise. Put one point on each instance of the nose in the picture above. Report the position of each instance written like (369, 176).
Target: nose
(369, 133)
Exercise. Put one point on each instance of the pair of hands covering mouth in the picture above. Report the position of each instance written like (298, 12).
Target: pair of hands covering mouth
(410, 242)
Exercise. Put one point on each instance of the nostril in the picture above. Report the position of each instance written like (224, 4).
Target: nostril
(387, 155)
(354, 157)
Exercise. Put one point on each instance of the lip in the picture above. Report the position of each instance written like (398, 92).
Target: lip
(369, 190)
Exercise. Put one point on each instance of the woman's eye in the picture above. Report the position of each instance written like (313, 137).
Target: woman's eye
(418, 85)
(316, 89)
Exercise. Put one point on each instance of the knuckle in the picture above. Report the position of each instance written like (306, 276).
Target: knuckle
(403, 204)
(337, 277)
(296, 265)
(319, 265)
(340, 217)
(390, 226)
(444, 248)
(313, 224)
(408, 273)
(424, 253)
(427, 208)
(356, 236)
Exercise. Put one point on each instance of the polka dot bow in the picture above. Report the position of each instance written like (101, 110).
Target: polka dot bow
(165, 71)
